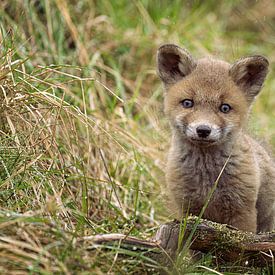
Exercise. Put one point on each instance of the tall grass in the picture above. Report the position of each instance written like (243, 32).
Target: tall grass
(83, 135)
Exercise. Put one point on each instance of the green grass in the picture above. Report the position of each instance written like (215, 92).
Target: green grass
(83, 136)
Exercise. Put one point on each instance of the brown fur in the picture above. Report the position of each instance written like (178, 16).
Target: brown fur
(245, 194)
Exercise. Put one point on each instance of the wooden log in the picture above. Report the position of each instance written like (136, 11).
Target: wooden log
(227, 243)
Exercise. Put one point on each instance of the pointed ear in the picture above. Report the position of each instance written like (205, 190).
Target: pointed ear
(249, 74)
(173, 63)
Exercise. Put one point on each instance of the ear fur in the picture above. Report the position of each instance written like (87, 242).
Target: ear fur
(249, 74)
(173, 63)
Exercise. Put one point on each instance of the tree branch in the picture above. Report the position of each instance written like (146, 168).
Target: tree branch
(227, 243)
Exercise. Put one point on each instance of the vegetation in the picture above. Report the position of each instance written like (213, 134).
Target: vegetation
(82, 131)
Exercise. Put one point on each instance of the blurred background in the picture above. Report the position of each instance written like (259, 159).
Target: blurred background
(83, 135)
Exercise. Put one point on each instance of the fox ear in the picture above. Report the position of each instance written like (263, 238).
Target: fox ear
(249, 74)
(173, 63)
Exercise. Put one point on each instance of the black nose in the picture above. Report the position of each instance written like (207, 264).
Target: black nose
(203, 131)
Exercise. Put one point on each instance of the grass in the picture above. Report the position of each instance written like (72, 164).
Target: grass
(83, 135)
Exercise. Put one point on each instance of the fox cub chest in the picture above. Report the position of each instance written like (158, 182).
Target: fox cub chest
(198, 174)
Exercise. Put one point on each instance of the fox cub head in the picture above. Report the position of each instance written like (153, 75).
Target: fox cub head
(207, 100)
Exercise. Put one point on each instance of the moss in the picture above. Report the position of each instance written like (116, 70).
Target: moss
(225, 237)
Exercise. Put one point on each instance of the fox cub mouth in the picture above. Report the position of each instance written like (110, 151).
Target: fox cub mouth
(201, 141)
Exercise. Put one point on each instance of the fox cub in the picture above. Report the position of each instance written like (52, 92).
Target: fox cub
(207, 102)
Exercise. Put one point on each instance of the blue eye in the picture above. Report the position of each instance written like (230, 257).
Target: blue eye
(225, 108)
(187, 103)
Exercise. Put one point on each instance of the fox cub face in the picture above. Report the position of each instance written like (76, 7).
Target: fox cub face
(207, 100)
